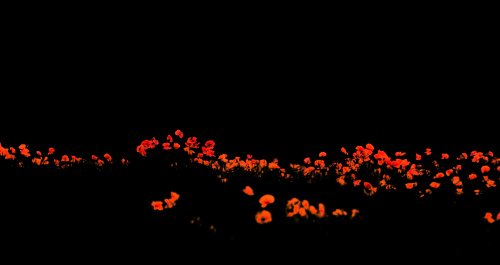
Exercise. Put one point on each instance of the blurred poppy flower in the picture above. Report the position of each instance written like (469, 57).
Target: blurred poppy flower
(157, 205)
(428, 151)
(370, 147)
(449, 172)
(174, 196)
(166, 146)
(344, 151)
(307, 160)
(435, 185)
(485, 169)
(445, 156)
(266, 199)
(263, 217)
(65, 158)
(177, 146)
(472, 176)
(179, 133)
(354, 213)
(248, 191)
(108, 157)
(489, 217)
(418, 157)
(411, 185)
(439, 175)
(322, 154)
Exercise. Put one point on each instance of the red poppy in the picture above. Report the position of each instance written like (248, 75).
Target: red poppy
(94, 157)
(307, 160)
(472, 176)
(248, 191)
(51, 150)
(489, 217)
(439, 175)
(65, 158)
(322, 154)
(356, 182)
(418, 157)
(210, 144)
(263, 217)
(400, 154)
(266, 199)
(449, 172)
(108, 157)
(100, 162)
(321, 210)
(177, 146)
(179, 133)
(192, 142)
(485, 169)
(445, 156)
(166, 146)
(157, 205)
(141, 150)
(435, 185)
(354, 213)
(428, 151)
(344, 151)
(411, 185)
(370, 147)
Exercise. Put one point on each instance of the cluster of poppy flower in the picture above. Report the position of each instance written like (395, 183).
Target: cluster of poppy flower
(169, 202)
(366, 169)
(49, 158)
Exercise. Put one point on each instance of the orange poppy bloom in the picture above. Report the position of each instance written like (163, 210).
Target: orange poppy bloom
(449, 172)
(472, 176)
(445, 156)
(305, 204)
(367, 185)
(439, 175)
(456, 181)
(370, 147)
(108, 157)
(344, 151)
(322, 154)
(177, 146)
(157, 205)
(192, 142)
(458, 167)
(210, 144)
(341, 180)
(490, 183)
(418, 157)
(302, 212)
(166, 146)
(400, 154)
(354, 213)
(460, 191)
(51, 150)
(435, 185)
(477, 191)
(411, 185)
(179, 133)
(263, 217)
(248, 191)
(321, 210)
(141, 150)
(65, 158)
(94, 157)
(307, 160)
(38, 153)
(170, 203)
(100, 162)
(356, 182)
(265, 200)
(169, 138)
(313, 210)
(489, 217)
(485, 169)
(174, 196)
(428, 151)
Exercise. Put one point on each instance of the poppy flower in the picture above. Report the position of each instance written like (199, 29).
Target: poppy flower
(94, 157)
(305, 204)
(166, 146)
(266, 199)
(449, 172)
(248, 191)
(313, 210)
(210, 144)
(179, 133)
(354, 212)
(370, 147)
(489, 217)
(307, 160)
(65, 158)
(435, 185)
(322, 154)
(485, 169)
(460, 191)
(411, 185)
(439, 175)
(344, 151)
(321, 210)
(445, 156)
(170, 139)
(108, 157)
(177, 146)
(428, 151)
(472, 176)
(356, 182)
(51, 150)
(418, 157)
(302, 212)
(263, 217)
(174, 196)
(400, 153)
(157, 205)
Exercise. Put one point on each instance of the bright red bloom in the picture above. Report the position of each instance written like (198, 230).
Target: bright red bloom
(265, 200)
(418, 157)
(322, 154)
(370, 147)
(307, 160)
(263, 217)
(51, 150)
(445, 156)
(209, 144)
(248, 191)
(65, 158)
(179, 134)
(485, 169)
(435, 185)
(108, 157)
(157, 205)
